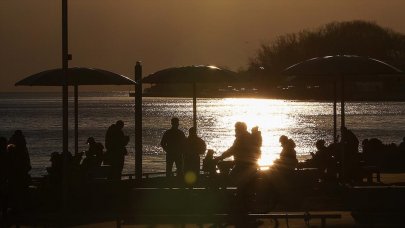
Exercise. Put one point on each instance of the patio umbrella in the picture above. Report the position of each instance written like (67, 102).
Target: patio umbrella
(331, 69)
(76, 76)
(192, 75)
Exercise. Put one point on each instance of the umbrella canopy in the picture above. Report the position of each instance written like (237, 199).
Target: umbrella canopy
(76, 76)
(327, 67)
(192, 75)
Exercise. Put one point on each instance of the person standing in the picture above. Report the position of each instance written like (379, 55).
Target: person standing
(115, 142)
(244, 151)
(3, 179)
(173, 143)
(195, 147)
(18, 167)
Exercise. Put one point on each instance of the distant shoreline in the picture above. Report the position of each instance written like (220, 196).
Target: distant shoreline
(273, 97)
(129, 94)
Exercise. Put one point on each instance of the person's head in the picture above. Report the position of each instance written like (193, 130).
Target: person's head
(283, 140)
(192, 131)
(344, 129)
(175, 122)
(255, 129)
(54, 156)
(18, 133)
(320, 144)
(120, 124)
(240, 127)
(91, 140)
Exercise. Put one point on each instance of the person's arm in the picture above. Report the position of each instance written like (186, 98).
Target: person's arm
(228, 153)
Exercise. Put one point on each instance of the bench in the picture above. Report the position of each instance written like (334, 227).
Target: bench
(219, 219)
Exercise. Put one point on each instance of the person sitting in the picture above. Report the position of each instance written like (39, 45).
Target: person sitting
(257, 142)
(288, 156)
(210, 164)
(95, 149)
(323, 160)
(93, 156)
(56, 169)
(350, 169)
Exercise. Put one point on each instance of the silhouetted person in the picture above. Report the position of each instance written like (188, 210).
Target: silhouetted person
(257, 141)
(3, 178)
(210, 164)
(18, 139)
(56, 169)
(20, 151)
(115, 142)
(173, 143)
(323, 158)
(351, 161)
(288, 156)
(243, 151)
(93, 157)
(195, 147)
(96, 150)
(3, 162)
(18, 166)
(245, 157)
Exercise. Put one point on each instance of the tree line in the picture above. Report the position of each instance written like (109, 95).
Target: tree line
(337, 38)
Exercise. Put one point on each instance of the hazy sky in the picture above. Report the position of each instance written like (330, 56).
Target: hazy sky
(114, 34)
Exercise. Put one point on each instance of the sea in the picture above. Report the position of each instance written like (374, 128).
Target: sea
(39, 116)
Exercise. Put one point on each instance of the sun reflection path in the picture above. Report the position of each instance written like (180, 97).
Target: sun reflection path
(272, 116)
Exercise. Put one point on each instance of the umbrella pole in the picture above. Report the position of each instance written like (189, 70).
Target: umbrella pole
(65, 67)
(194, 106)
(138, 121)
(76, 91)
(342, 104)
(334, 113)
(65, 103)
(342, 116)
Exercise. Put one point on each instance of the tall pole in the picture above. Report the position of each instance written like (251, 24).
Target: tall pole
(342, 102)
(342, 116)
(65, 59)
(65, 104)
(76, 91)
(194, 106)
(334, 112)
(138, 121)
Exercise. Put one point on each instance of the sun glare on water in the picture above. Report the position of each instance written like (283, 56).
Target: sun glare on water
(271, 116)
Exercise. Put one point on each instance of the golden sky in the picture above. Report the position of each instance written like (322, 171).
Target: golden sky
(114, 34)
